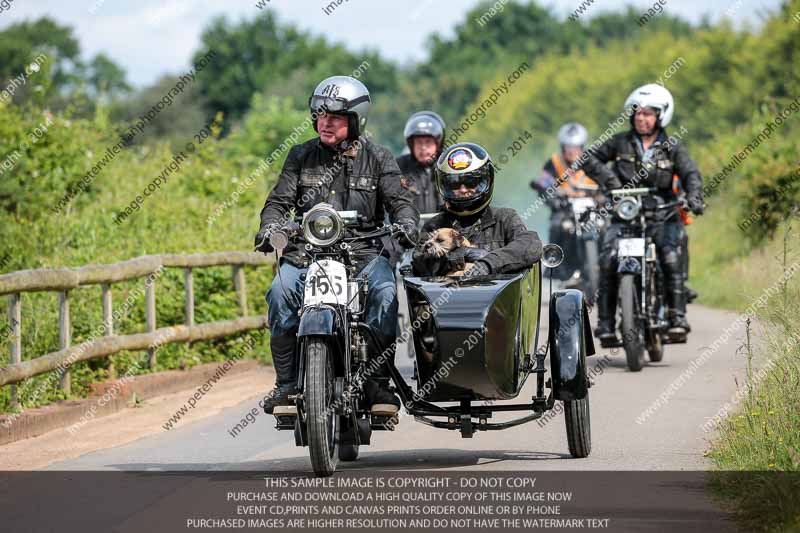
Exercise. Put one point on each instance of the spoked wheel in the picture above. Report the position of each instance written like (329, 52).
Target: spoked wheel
(655, 347)
(592, 271)
(579, 427)
(322, 422)
(631, 330)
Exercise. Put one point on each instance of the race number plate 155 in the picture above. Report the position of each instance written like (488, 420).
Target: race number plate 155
(631, 248)
(326, 282)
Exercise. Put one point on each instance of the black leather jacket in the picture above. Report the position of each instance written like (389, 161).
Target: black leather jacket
(501, 231)
(419, 180)
(669, 157)
(364, 178)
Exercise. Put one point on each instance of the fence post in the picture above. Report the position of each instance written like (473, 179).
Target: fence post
(241, 289)
(64, 337)
(108, 325)
(150, 316)
(14, 317)
(188, 285)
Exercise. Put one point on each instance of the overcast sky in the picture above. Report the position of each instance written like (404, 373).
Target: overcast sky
(151, 37)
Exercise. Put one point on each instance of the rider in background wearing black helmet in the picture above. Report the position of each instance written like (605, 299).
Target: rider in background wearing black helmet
(424, 134)
(502, 243)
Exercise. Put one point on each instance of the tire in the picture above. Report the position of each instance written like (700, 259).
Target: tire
(579, 427)
(348, 452)
(322, 424)
(592, 268)
(631, 329)
(655, 347)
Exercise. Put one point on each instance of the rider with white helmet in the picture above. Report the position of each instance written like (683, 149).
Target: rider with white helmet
(645, 156)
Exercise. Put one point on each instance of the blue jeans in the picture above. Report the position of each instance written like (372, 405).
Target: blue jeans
(285, 297)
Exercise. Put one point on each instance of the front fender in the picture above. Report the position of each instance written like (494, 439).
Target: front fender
(317, 321)
(570, 343)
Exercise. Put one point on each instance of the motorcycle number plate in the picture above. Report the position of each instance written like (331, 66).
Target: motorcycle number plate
(579, 205)
(326, 283)
(630, 248)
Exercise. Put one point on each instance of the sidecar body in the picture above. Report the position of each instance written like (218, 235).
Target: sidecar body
(477, 340)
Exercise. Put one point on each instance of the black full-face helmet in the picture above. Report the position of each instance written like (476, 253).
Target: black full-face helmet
(465, 178)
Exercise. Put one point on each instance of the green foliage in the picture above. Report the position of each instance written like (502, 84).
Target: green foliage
(761, 436)
(271, 124)
(106, 77)
(173, 220)
(263, 55)
(175, 123)
(21, 42)
(45, 153)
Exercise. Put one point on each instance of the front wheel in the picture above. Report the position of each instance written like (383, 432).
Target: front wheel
(591, 266)
(631, 329)
(322, 422)
(579, 427)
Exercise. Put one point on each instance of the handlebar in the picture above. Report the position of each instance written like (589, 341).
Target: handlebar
(633, 192)
(280, 238)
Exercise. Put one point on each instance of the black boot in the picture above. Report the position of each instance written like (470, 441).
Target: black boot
(678, 325)
(379, 398)
(285, 363)
(606, 313)
(278, 396)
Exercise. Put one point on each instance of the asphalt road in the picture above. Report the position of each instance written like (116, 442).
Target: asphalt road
(669, 438)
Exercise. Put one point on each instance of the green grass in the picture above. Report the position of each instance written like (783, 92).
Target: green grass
(758, 448)
(757, 451)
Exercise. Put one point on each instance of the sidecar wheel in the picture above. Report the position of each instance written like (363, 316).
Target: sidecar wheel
(579, 427)
(631, 331)
(322, 422)
(348, 452)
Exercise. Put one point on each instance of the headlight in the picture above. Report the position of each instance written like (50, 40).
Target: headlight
(627, 209)
(322, 225)
(568, 225)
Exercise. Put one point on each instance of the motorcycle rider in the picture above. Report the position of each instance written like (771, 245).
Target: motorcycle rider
(645, 156)
(424, 135)
(502, 243)
(571, 182)
(344, 168)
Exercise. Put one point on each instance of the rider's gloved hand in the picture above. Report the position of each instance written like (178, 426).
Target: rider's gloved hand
(480, 268)
(409, 236)
(472, 255)
(696, 205)
(261, 243)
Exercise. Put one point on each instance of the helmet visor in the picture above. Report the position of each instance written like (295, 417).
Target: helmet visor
(464, 186)
(329, 104)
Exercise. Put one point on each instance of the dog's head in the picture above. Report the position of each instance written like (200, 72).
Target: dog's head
(443, 241)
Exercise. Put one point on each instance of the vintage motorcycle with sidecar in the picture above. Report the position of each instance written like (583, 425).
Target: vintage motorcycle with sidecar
(475, 340)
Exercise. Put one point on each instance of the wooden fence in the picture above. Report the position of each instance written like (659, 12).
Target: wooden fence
(63, 280)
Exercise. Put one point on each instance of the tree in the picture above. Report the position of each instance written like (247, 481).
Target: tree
(106, 77)
(21, 43)
(265, 56)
